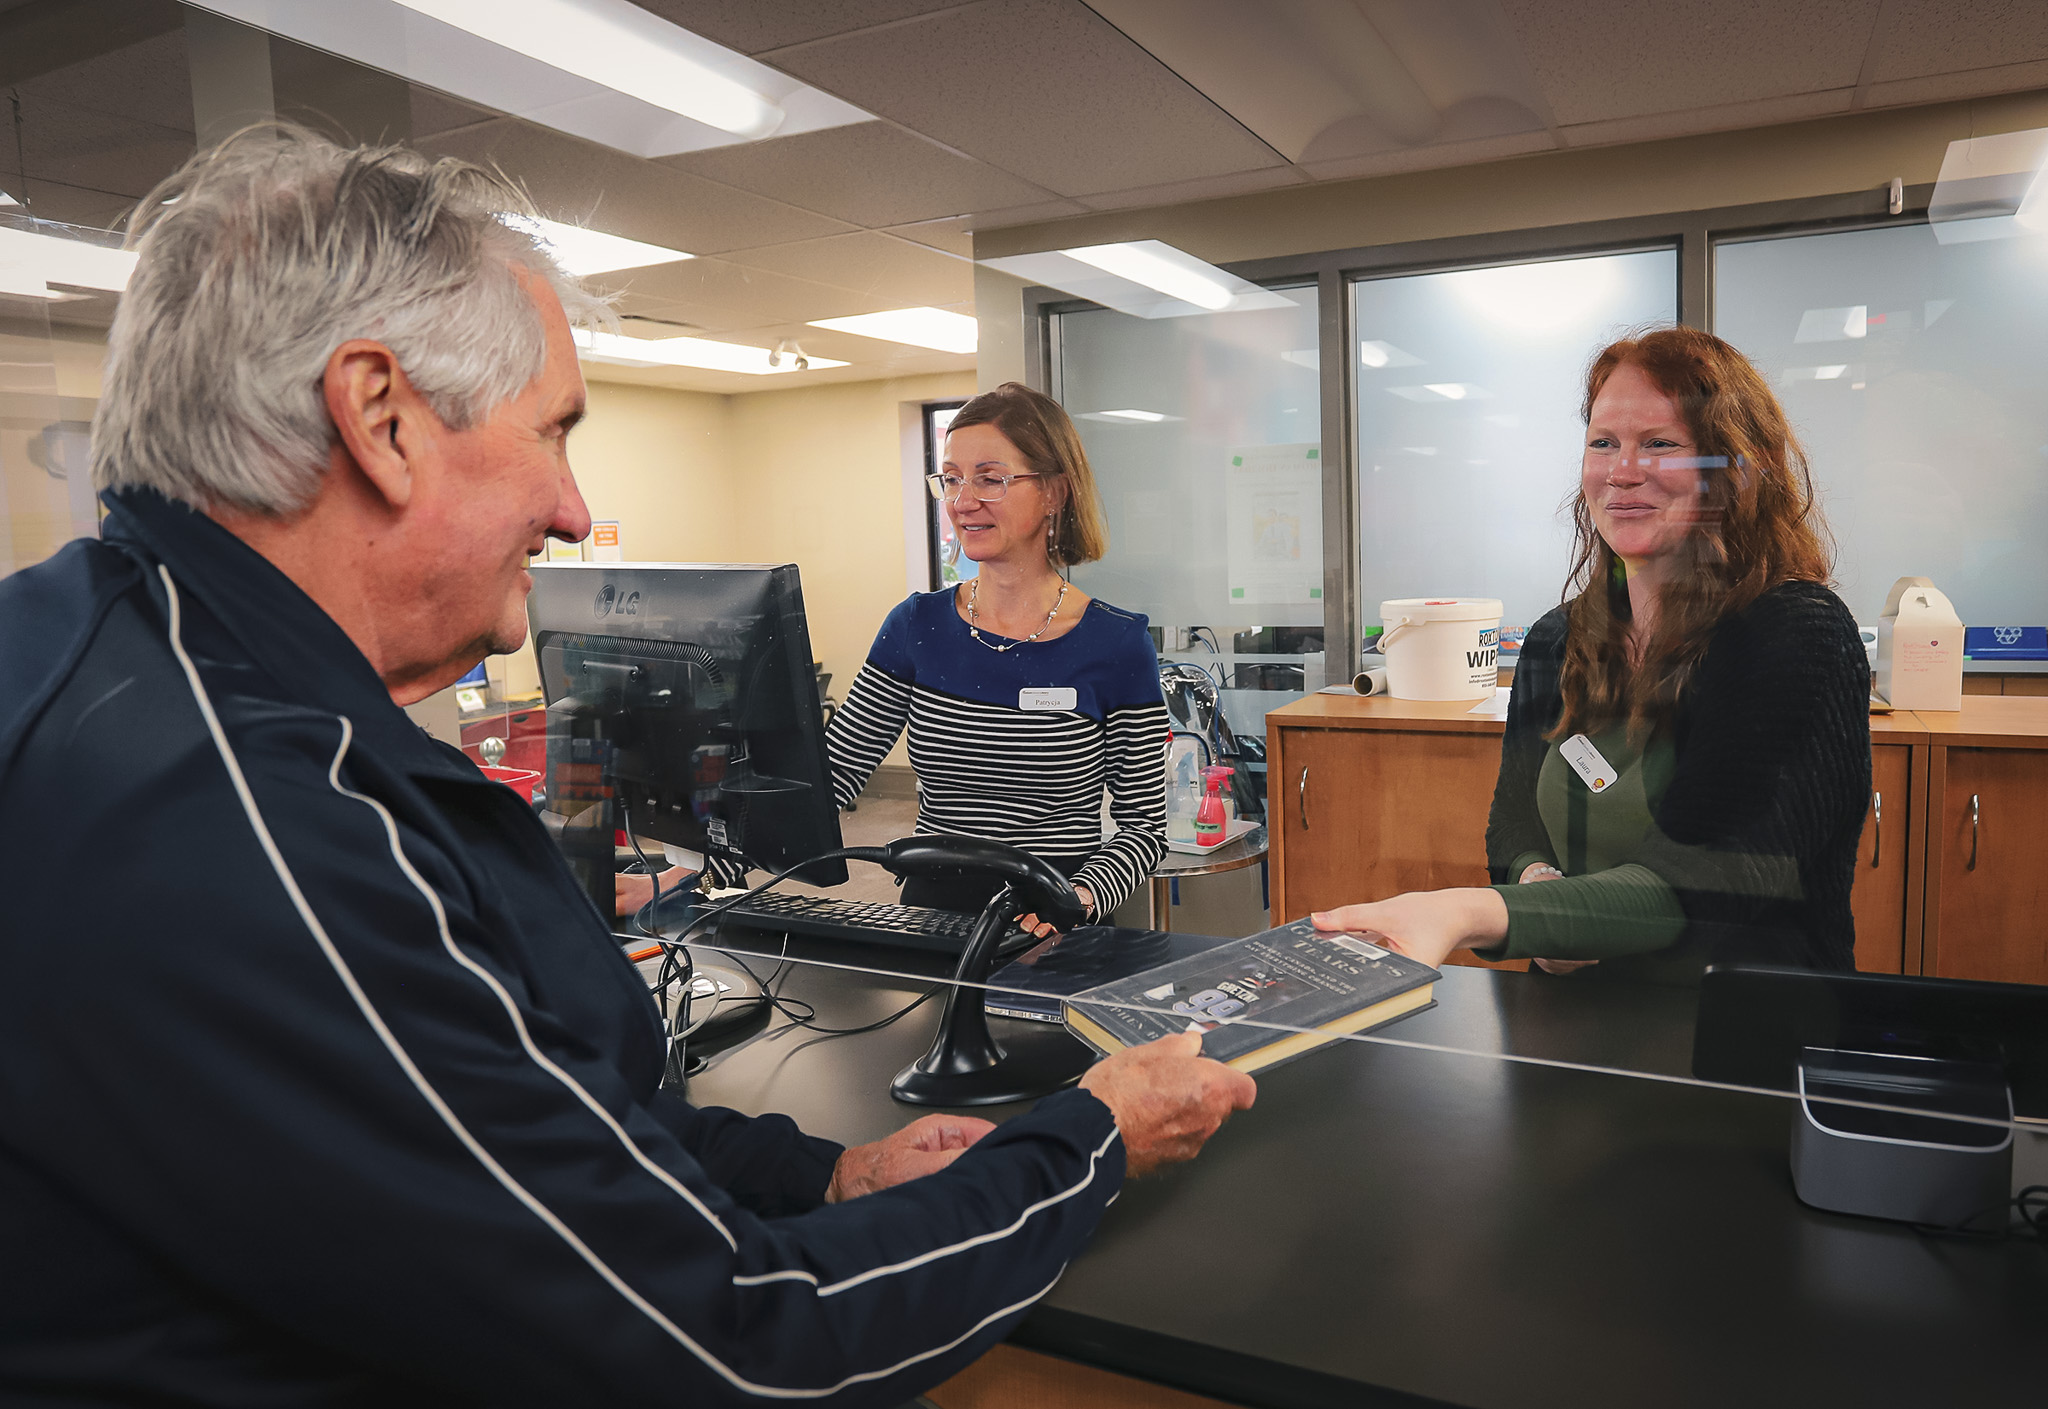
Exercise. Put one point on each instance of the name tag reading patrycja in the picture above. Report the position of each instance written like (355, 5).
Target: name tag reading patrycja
(1044, 698)
(1586, 761)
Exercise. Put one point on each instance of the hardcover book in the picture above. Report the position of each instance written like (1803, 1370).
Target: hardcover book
(1316, 987)
(1037, 984)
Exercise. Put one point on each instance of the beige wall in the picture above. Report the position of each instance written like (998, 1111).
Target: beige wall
(1856, 152)
(809, 475)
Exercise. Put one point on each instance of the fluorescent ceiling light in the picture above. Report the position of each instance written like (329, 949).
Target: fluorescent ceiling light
(605, 70)
(686, 352)
(1145, 278)
(1385, 354)
(1833, 324)
(610, 42)
(1438, 392)
(1540, 296)
(584, 252)
(31, 260)
(1142, 265)
(920, 327)
(1129, 416)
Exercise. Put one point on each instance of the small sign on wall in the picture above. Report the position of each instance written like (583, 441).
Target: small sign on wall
(604, 541)
(560, 552)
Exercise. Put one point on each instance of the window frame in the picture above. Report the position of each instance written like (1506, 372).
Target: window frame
(1693, 234)
(934, 576)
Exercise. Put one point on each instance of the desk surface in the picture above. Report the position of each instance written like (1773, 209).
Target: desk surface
(1391, 1226)
(2010, 721)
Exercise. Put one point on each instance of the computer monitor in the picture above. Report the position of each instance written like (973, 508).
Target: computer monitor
(682, 704)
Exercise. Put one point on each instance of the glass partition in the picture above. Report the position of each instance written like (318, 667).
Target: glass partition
(1911, 368)
(1204, 434)
(1469, 383)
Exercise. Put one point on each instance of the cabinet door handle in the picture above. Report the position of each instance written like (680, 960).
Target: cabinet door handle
(1876, 827)
(1301, 797)
(1973, 833)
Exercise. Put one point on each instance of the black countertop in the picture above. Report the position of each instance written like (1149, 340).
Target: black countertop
(1397, 1226)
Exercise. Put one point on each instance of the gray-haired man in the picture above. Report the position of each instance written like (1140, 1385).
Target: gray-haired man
(334, 1090)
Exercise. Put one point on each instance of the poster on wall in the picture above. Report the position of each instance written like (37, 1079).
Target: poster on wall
(1275, 499)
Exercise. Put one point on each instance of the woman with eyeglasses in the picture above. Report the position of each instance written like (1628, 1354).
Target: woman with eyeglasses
(1686, 763)
(1024, 697)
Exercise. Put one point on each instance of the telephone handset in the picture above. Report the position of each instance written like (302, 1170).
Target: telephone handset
(1040, 889)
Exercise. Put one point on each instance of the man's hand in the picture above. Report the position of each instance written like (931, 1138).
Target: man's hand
(1168, 1099)
(1427, 924)
(925, 1146)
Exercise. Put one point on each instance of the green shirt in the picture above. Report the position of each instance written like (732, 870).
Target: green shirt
(1606, 905)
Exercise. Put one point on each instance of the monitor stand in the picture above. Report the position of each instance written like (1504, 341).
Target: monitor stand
(966, 1066)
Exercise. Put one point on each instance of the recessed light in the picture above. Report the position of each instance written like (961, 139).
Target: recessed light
(1145, 278)
(1129, 416)
(1185, 278)
(583, 252)
(686, 352)
(33, 259)
(920, 327)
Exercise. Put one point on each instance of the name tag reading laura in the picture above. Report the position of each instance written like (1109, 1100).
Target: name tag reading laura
(1586, 761)
(1045, 698)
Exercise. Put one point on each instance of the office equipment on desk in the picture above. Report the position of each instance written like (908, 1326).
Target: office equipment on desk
(1941, 1047)
(1921, 1168)
(859, 922)
(682, 705)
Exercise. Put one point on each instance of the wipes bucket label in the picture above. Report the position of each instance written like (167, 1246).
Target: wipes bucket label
(1484, 661)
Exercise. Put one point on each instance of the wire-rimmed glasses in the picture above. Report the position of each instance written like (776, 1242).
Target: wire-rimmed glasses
(986, 485)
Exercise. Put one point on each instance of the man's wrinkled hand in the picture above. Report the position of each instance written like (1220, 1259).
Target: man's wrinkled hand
(925, 1146)
(1167, 1098)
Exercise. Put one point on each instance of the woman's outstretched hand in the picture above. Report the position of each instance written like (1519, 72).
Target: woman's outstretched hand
(1427, 924)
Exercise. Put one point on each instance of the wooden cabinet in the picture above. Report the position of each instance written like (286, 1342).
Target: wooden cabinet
(1364, 806)
(1987, 845)
(1372, 797)
(1881, 902)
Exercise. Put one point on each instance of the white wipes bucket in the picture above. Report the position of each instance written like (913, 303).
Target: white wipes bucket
(1442, 648)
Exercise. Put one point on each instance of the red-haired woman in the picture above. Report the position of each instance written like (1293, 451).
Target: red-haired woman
(1687, 755)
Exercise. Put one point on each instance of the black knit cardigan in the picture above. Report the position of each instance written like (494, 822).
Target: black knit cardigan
(1757, 832)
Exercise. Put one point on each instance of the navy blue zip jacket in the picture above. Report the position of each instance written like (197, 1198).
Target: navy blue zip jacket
(321, 1083)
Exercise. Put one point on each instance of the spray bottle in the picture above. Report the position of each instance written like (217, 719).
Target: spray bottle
(1210, 826)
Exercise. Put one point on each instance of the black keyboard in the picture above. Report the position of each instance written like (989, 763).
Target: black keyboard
(859, 921)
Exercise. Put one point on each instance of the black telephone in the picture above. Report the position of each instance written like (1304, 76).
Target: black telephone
(1039, 887)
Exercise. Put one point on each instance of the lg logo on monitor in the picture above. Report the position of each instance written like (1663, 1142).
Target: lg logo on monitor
(610, 600)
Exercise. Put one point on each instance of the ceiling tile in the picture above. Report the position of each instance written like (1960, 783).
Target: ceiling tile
(1725, 118)
(1947, 36)
(753, 26)
(95, 150)
(954, 235)
(1965, 83)
(434, 113)
(1600, 60)
(1206, 188)
(571, 179)
(147, 82)
(900, 272)
(719, 296)
(869, 173)
(1046, 89)
(1441, 154)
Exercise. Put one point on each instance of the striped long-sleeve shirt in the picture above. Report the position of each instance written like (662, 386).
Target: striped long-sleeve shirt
(1017, 746)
